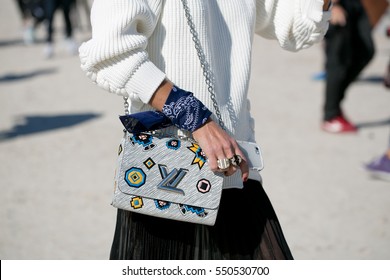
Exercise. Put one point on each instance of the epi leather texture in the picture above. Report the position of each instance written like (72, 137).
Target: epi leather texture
(166, 177)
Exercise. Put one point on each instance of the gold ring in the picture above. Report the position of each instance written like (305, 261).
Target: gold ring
(223, 163)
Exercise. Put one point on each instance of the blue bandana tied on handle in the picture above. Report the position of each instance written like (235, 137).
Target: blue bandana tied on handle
(182, 109)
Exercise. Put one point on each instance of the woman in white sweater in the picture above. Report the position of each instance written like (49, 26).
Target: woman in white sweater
(140, 49)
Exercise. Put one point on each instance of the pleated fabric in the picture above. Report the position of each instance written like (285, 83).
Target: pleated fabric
(246, 228)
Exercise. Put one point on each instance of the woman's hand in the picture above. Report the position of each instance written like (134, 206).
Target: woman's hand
(217, 144)
(338, 15)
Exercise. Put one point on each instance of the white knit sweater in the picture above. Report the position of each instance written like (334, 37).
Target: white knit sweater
(136, 44)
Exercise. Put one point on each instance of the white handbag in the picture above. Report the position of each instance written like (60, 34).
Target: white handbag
(166, 177)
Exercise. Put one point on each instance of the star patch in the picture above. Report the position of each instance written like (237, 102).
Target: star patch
(200, 157)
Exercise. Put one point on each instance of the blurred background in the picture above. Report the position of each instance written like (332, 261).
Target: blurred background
(59, 135)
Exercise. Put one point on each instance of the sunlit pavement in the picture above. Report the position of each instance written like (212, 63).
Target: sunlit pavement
(59, 135)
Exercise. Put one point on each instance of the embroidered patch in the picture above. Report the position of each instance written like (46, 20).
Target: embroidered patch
(120, 150)
(145, 140)
(137, 202)
(200, 157)
(149, 163)
(196, 210)
(135, 177)
(203, 186)
(161, 204)
(173, 144)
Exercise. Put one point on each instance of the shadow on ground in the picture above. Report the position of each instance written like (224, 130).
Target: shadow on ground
(17, 42)
(373, 123)
(372, 79)
(375, 79)
(37, 124)
(14, 77)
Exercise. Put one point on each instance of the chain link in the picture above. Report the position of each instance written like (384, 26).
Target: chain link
(207, 73)
(126, 105)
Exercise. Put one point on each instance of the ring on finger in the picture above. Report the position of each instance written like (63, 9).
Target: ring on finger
(223, 163)
(235, 160)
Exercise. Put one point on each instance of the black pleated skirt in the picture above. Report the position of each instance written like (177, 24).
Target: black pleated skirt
(246, 228)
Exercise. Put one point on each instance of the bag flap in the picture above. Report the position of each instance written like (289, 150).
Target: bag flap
(167, 169)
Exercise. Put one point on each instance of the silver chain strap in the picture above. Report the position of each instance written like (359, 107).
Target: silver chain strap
(126, 105)
(207, 73)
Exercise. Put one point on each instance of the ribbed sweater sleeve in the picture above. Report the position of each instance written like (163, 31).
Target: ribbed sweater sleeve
(296, 30)
(116, 57)
(120, 59)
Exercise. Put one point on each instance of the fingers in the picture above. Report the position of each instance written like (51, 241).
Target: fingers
(338, 16)
(212, 163)
(237, 161)
(244, 169)
(243, 165)
(220, 149)
(231, 170)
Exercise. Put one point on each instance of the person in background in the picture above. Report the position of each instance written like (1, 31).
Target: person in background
(51, 6)
(32, 12)
(348, 48)
(144, 50)
(380, 167)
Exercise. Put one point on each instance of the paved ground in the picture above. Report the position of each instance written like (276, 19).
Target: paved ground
(59, 136)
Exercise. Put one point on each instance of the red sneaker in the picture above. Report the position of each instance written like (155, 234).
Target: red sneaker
(338, 125)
